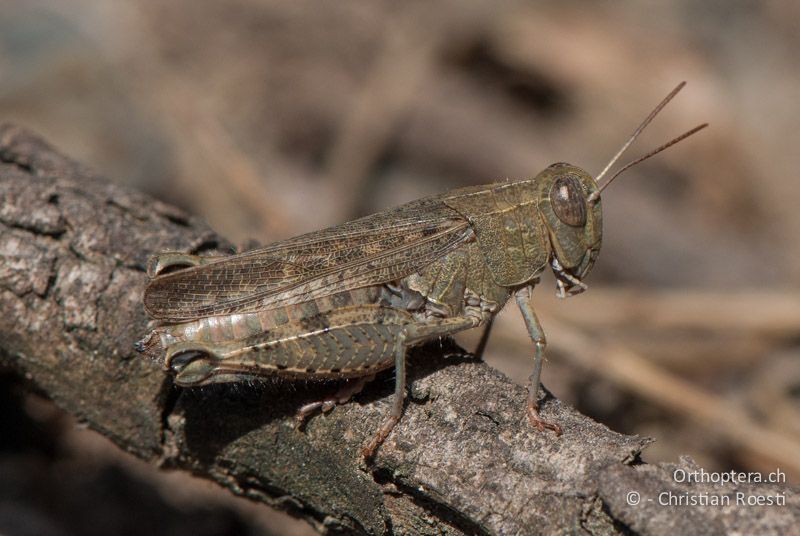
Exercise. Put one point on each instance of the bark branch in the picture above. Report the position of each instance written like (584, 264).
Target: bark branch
(462, 460)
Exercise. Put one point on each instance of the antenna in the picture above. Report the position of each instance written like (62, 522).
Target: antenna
(654, 152)
(594, 196)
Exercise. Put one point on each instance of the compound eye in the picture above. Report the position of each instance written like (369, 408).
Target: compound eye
(567, 199)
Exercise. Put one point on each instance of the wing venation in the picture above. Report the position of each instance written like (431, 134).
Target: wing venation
(370, 251)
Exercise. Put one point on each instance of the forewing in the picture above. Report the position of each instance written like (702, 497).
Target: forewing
(370, 251)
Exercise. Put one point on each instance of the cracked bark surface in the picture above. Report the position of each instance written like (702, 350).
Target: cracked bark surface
(462, 460)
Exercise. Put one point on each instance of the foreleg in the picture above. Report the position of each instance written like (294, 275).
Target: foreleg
(523, 297)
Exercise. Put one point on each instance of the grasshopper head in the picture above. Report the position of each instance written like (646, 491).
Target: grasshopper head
(574, 220)
(569, 199)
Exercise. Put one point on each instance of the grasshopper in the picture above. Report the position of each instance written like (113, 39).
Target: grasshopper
(348, 301)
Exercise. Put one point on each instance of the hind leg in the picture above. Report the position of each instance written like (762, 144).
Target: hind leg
(176, 260)
(343, 395)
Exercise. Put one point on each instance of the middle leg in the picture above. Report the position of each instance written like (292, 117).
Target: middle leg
(413, 333)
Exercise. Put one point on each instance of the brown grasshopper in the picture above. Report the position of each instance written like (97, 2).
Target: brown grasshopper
(348, 301)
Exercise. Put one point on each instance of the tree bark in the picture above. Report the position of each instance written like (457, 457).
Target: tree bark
(462, 460)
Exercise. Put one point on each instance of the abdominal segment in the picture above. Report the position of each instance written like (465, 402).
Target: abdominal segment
(348, 342)
(235, 326)
(351, 341)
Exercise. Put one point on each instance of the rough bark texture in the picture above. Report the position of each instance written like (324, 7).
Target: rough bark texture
(462, 460)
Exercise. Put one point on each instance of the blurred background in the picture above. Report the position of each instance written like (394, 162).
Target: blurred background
(273, 118)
